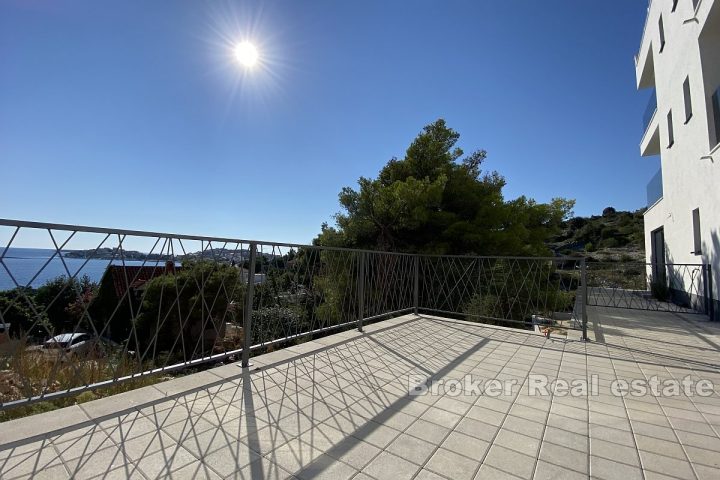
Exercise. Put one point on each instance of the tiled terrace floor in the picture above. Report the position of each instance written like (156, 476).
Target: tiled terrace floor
(339, 408)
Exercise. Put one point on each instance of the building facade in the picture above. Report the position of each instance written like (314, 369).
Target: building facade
(679, 58)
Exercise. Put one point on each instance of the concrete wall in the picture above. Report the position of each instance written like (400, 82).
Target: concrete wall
(692, 49)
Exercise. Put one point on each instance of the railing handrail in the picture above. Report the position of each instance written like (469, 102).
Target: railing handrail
(150, 234)
(637, 263)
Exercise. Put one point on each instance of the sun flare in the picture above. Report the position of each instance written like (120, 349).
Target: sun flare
(246, 54)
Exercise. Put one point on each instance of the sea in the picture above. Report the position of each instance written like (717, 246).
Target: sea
(33, 267)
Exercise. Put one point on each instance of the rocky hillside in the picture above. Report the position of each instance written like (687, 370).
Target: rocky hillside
(611, 236)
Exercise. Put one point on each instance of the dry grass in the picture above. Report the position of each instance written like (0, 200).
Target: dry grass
(31, 372)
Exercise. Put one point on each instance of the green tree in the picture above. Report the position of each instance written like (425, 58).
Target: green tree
(436, 200)
(185, 313)
(18, 308)
(59, 298)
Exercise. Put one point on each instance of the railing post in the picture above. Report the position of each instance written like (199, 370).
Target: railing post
(710, 292)
(361, 289)
(706, 290)
(583, 280)
(247, 327)
(416, 283)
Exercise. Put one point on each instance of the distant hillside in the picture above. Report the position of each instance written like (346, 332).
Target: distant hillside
(610, 236)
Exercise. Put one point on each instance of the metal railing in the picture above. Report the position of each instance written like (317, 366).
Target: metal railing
(95, 307)
(654, 189)
(668, 287)
(642, 38)
(504, 290)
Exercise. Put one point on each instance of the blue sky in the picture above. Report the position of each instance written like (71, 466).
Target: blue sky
(132, 114)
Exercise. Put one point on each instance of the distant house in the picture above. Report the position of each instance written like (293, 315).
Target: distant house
(258, 278)
(134, 278)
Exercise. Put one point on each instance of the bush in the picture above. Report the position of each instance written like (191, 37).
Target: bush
(610, 243)
(85, 397)
(35, 408)
(275, 322)
(609, 232)
(185, 313)
(608, 212)
(589, 247)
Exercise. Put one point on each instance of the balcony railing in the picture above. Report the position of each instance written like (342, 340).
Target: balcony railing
(650, 111)
(642, 37)
(97, 307)
(660, 286)
(654, 189)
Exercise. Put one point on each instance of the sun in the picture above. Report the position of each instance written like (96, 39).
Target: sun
(246, 54)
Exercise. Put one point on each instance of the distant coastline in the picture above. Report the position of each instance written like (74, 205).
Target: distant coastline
(114, 254)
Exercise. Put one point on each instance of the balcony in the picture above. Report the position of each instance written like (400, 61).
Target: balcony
(654, 189)
(650, 142)
(357, 363)
(644, 59)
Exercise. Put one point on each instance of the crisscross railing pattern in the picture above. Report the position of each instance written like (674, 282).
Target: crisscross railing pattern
(97, 307)
(647, 286)
(502, 290)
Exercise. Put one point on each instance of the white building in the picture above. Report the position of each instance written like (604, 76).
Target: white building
(679, 58)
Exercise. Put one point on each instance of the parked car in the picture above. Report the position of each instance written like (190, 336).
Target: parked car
(75, 345)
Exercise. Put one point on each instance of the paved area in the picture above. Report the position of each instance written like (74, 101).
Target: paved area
(340, 407)
(632, 299)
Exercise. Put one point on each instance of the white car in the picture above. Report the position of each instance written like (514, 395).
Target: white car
(74, 344)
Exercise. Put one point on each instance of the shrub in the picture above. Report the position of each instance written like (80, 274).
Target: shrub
(610, 243)
(35, 408)
(85, 397)
(608, 212)
(609, 232)
(185, 313)
(273, 323)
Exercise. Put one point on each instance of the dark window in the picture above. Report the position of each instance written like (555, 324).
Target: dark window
(716, 114)
(675, 2)
(79, 339)
(697, 244)
(688, 103)
(671, 135)
(662, 33)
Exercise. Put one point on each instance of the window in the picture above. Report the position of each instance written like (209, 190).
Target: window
(688, 103)
(671, 135)
(662, 33)
(675, 2)
(716, 114)
(697, 249)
